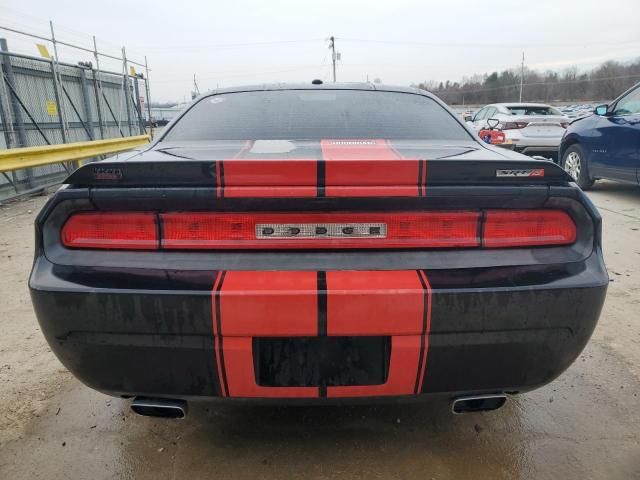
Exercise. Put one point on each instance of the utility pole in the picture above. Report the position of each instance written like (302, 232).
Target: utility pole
(332, 46)
(196, 91)
(521, 76)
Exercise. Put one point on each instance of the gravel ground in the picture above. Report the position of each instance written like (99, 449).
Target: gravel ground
(586, 424)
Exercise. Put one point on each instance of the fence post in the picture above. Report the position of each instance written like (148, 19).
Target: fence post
(146, 86)
(15, 106)
(98, 103)
(57, 80)
(85, 102)
(5, 117)
(56, 92)
(138, 106)
(126, 89)
(7, 121)
(97, 87)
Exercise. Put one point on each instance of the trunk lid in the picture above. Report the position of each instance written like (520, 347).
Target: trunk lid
(326, 168)
(542, 126)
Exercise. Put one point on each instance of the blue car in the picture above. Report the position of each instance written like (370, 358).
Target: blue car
(605, 145)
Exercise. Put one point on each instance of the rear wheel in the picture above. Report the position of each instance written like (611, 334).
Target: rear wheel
(575, 165)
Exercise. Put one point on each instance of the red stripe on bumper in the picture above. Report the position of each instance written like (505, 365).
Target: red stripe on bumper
(381, 303)
(269, 304)
(263, 304)
(217, 338)
(352, 303)
(374, 303)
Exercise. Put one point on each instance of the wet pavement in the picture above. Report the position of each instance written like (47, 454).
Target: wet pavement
(584, 425)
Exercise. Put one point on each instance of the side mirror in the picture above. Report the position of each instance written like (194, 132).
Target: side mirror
(601, 110)
(467, 117)
(493, 123)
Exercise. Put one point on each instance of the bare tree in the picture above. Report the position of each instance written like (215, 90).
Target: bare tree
(602, 83)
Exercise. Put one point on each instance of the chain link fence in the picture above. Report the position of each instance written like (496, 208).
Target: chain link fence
(44, 102)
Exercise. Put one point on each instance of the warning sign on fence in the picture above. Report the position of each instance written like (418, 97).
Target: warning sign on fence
(44, 53)
(52, 108)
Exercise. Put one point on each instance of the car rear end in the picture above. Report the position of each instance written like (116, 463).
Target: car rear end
(534, 129)
(330, 269)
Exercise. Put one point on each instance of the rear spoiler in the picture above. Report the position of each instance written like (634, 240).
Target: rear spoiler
(310, 177)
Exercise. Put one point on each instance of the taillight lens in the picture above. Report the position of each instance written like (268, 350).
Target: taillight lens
(127, 231)
(319, 230)
(211, 231)
(503, 228)
(564, 124)
(514, 125)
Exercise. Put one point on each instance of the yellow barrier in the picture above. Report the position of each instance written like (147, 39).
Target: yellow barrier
(16, 158)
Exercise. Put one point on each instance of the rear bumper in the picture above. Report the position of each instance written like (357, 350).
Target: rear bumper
(543, 151)
(543, 146)
(507, 329)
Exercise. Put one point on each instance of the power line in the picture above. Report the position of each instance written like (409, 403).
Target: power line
(480, 45)
(225, 75)
(202, 46)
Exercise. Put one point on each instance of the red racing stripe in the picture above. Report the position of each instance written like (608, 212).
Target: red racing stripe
(246, 175)
(269, 304)
(270, 178)
(424, 348)
(335, 303)
(374, 303)
(381, 303)
(367, 168)
(217, 339)
(264, 304)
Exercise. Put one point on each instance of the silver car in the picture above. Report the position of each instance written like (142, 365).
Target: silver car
(529, 128)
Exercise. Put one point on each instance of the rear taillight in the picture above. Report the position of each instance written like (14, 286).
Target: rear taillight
(514, 125)
(564, 124)
(128, 231)
(527, 228)
(217, 231)
(319, 230)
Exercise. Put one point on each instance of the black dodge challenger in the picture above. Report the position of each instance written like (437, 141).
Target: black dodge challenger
(319, 242)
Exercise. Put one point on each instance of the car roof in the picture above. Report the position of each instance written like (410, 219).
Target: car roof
(516, 104)
(364, 86)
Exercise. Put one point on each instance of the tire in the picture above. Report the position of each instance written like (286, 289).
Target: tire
(574, 163)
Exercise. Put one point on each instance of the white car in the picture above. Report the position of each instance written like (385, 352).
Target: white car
(529, 128)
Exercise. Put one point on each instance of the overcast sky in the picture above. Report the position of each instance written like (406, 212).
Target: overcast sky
(239, 42)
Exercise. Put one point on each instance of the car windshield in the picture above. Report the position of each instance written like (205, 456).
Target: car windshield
(532, 110)
(310, 115)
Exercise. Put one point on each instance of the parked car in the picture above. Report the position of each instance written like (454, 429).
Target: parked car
(530, 128)
(317, 242)
(607, 144)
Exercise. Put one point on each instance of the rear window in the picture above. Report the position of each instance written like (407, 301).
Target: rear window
(533, 110)
(311, 115)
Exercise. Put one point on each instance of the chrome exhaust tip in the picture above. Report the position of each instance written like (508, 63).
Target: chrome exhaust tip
(159, 407)
(478, 403)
